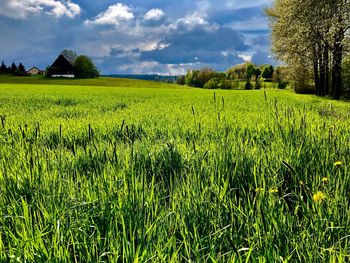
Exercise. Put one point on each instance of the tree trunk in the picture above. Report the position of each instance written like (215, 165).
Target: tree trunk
(337, 65)
(322, 72)
(326, 63)
(316, 71)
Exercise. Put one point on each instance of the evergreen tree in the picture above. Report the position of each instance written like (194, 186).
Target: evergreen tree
(21, 71)
(21, 68)
(3, 68)
(13, 68)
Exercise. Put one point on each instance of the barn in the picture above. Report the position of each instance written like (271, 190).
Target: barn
(61, 68)
(35, 71)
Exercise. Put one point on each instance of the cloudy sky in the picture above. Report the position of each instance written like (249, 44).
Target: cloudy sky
(136, 36)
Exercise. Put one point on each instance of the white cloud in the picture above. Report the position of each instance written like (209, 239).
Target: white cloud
(194, 20)
(63, 9)
(21, 9)
(114, 15)
(245, 57)
(154, 14)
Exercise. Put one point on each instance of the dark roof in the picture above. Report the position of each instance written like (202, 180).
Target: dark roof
(61, 66)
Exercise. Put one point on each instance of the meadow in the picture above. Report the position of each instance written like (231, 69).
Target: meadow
(134, 171)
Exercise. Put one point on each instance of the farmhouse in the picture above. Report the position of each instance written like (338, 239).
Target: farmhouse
(61, 68)
(35, 71)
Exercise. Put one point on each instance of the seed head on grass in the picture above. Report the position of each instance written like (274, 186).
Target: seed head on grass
(319, 197)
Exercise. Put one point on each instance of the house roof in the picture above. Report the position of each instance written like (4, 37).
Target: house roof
(62, 66)
(34, 68)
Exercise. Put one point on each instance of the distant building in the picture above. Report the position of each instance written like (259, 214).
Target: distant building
(61, 68)
(35, 71)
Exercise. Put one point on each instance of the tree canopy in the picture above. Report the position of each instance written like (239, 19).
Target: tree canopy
(85, 68)
(267, 72)
(310, 36)
(70, 55)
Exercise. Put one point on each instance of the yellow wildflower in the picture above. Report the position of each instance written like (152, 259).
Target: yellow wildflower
(338, 163)
(318, 197)
(325, 180)
(273, 190)
(301, 183)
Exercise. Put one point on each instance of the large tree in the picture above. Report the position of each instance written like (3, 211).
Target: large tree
(85, 68)
(70, 55)
(267, 71)
(310, 34)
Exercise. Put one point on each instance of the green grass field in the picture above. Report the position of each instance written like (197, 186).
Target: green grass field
(135, 171)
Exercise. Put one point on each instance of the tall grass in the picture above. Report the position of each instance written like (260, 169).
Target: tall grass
(156, 175)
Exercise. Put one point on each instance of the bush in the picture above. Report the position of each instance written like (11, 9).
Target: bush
(248, 86)
(217, 83)
(304, 89)
(282, 84)
(225, 84)
(20, 73)
(212, 84)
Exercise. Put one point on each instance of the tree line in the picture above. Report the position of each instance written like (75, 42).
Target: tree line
(248, 73)
(312, 38)
(83, 66)
(19, 70)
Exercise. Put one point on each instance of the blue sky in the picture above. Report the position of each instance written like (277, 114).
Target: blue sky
(137, 36)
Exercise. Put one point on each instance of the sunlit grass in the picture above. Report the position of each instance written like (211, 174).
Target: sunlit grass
(142, 174)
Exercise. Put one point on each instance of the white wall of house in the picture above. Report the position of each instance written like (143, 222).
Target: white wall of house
(70, 76)
(34, 71)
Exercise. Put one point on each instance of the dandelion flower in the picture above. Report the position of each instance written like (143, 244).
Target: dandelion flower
(338, 163)
(318, 197)
(325, 180)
